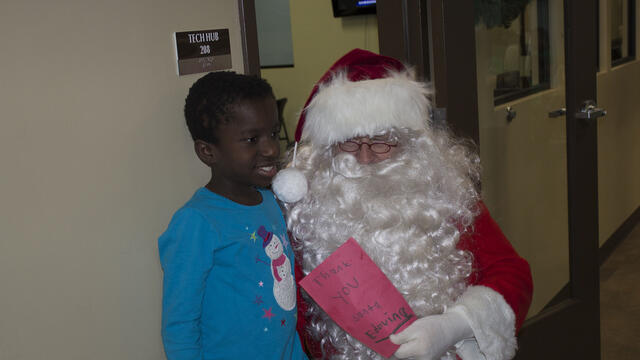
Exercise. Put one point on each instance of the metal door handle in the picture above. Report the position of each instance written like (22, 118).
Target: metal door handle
(590, 111)
(557, 113)
(511, 114)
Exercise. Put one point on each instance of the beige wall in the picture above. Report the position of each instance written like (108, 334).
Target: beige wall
(94, 159)
(319, 40)
(618, 135)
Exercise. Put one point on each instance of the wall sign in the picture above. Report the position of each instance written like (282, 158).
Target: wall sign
(203, 51)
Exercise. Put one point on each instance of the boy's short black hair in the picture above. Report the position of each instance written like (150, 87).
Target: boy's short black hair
(211, 97)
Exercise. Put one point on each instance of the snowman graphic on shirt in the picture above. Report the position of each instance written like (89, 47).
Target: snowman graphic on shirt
(284, 289)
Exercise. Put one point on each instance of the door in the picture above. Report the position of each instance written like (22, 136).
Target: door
(503, 73)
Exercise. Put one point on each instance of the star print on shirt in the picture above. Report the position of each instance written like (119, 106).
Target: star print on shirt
(253, 237)
(261, 284)
(258, 300)
(282, 322)
(267, 313)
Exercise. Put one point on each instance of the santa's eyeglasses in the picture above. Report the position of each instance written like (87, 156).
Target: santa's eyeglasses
(377, 147)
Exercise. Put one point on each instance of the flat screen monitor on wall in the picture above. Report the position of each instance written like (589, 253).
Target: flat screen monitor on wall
(353, 7)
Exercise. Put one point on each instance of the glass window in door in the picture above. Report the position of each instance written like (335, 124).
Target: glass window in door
(622, 30)
(518, 49)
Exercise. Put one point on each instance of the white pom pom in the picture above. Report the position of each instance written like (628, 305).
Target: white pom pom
(290, 185)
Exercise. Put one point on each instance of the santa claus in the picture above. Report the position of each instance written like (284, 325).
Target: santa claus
(380, 171)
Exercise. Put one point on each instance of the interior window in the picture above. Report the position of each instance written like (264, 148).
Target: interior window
(622, 30)
(516, 36)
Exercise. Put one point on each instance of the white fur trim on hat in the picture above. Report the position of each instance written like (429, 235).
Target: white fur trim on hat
(492, 321)
(343, 109)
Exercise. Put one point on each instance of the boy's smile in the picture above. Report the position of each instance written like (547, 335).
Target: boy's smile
(246, 152)
(267, 170)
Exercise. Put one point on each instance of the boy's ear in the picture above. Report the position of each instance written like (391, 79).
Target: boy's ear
(206, 152)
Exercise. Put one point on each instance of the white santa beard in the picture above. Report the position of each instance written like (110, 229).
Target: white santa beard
(402, 213)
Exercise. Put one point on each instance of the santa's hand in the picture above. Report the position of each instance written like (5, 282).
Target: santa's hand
(430, 337)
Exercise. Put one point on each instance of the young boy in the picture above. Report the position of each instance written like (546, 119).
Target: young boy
(229, 292)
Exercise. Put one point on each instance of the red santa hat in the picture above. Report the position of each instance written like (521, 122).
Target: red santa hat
(362, 94)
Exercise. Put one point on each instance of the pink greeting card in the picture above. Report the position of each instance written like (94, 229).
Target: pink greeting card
(357, 295)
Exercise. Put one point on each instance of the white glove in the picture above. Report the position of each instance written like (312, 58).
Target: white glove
(428, 338)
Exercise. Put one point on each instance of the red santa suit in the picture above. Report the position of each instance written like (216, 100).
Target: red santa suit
(366, 94)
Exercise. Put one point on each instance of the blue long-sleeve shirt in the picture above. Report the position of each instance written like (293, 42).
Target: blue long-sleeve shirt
(223, 297)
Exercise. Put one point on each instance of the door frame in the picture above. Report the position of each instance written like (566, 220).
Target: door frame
(437, 37)
(414, 31)
(249, 34)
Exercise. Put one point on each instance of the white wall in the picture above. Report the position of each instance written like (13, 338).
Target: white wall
(94, 158)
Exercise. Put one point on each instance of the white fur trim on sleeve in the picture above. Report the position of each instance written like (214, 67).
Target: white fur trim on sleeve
(492, 321)
(468, 349)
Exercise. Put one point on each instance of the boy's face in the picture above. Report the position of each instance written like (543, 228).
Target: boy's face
(247, 150)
